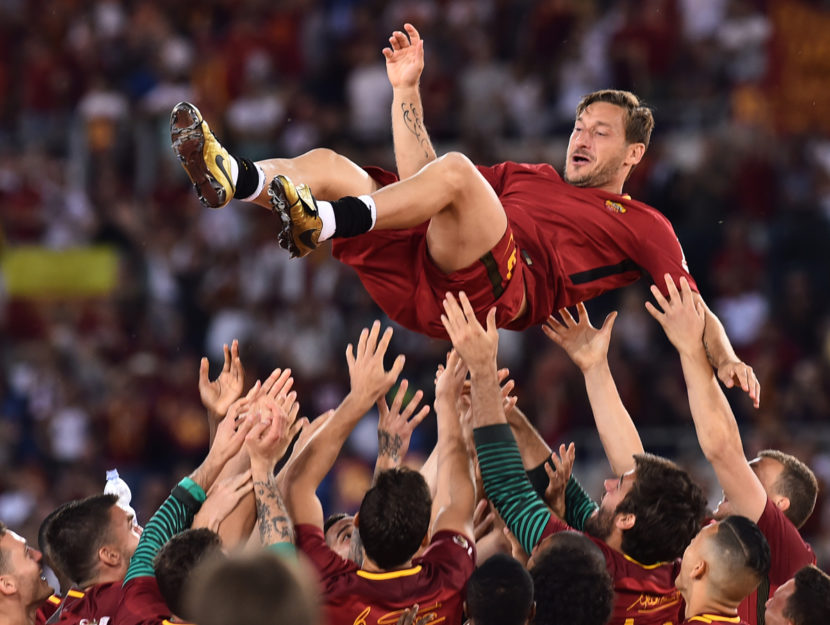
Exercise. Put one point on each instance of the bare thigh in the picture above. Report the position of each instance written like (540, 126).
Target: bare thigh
(466, 219)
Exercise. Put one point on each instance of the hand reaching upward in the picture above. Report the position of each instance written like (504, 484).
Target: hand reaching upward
(586, 345)
(404, 57)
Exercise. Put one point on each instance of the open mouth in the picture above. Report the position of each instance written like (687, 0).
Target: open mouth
(580, 159)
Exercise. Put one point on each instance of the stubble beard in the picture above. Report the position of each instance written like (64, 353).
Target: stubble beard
(601, 524)
(598, 177)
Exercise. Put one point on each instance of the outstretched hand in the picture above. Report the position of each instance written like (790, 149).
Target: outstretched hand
(395, 426)
(476, 345)
(404, 57)
(273, 430)
(219, 394)
(369, 380)
(558, 477)
(586, 345)
(231, 432)
(683, 319)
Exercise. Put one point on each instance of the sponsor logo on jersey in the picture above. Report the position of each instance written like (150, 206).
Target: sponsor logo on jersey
(615, 207)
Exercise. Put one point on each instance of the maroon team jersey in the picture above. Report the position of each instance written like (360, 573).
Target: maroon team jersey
(788, 553)
(142, 603)
(49, 607)
(577, 242)
(713, 619)
(435, 581)
(571, 245)
(96, 604)
(643, 594)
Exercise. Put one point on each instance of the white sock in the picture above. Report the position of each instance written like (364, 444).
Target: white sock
(326, 213)
(370, 203)
(234, 170)
(260, 184)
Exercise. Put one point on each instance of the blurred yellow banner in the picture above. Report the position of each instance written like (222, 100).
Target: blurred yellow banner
(32, 271)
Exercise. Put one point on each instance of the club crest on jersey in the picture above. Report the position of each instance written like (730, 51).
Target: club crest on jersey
(615, 207)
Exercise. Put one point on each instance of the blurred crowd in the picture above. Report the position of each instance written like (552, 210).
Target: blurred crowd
(103, 377)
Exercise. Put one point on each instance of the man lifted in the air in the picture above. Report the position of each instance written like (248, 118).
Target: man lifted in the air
(512, 235)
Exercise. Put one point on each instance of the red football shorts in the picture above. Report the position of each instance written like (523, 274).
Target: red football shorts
(398, 273)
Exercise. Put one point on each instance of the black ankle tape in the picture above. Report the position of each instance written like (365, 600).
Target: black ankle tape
(351, 217)
(248, 179)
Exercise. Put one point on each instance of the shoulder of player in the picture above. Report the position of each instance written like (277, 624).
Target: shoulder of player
(447, 542)
(784, 538)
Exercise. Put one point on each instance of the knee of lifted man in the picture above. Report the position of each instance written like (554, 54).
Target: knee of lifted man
(457, 169)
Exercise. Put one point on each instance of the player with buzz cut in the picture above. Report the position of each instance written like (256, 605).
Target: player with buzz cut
(515, 236)
(722, 565)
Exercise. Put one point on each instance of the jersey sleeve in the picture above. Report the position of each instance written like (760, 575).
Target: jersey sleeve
(175, 515)
(507, 486)
(453, 555)
(788, 551)
(578, 504)
(312, 542)
(659, 252)
(142, 603)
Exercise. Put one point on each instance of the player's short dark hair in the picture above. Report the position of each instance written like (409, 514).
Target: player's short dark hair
(45, 546)
(177, 559)
(639, 121)
(797, 483)
(76, 533)
(571, 582)
(499, 592)
(742, 548)
(810, 602)
(669, 508)
(394, 516)
(259, 588)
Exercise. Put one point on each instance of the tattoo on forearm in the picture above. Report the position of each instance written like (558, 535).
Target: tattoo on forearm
(708, 353)
(274, 523)
(412, 120)
(389, 445)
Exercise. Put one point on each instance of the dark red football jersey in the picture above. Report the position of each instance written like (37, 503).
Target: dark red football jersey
(573, 244)
(142, 603)
(47, 609)
(788, 554)
(643, 594)
(96, 604)
(435, 581)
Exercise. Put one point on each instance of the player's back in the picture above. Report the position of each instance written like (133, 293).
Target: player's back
(353, 596)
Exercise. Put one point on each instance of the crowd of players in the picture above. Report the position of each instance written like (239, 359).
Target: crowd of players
(493, 528)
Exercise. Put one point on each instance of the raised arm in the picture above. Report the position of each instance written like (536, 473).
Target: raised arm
(456, 487)
(176, 513)
(505, 480)
(369, 380)
(267, 443)
(218, 395)
(683, 318)
(588, 348)
(404, 64)
(395, 427)
(731, 369)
